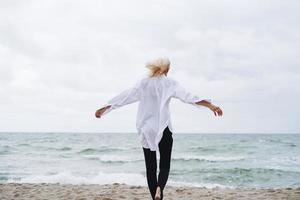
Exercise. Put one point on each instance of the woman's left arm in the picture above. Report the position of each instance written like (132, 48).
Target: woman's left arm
(127, 96)
(100, 111)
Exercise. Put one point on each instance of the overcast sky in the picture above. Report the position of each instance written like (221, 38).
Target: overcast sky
(62, 60)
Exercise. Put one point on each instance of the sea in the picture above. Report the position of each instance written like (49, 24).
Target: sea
(198, 160)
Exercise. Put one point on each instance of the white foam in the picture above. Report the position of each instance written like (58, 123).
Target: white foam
(188, 184)
(103, 178)
(100, 178)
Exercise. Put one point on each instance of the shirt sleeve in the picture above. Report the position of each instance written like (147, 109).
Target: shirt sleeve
(185, 96)
(127, 96)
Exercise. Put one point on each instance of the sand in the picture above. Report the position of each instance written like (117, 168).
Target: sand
(45, 191)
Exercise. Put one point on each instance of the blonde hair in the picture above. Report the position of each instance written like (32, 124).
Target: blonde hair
(158, 66)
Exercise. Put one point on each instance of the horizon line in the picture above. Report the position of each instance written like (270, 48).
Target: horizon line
(93, 132)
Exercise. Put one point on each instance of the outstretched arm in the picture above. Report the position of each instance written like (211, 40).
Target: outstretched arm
(183, 95)
(127, 96)
(100, 111)
(217, 110)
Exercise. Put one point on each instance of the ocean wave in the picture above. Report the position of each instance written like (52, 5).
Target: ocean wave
(102, 178)
(222, 148)
(43, 147)
(70, 178)
(93, 150)
(204, 149)
(6, 149)
(194, 184)
(60, 149)
(113, 158)
(24, 145)
(236, 171)
(278, 141)
(241, 177)
(208, 158)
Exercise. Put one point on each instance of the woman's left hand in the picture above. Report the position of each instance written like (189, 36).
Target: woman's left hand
(100, 111)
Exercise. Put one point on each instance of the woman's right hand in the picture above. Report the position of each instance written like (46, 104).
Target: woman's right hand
(217, 110)
(100, 111)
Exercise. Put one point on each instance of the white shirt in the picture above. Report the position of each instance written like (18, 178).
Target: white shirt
(153, 116)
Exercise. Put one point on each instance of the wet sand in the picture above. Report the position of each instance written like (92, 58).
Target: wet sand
(43, 191)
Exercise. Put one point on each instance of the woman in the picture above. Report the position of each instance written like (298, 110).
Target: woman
(153, 118)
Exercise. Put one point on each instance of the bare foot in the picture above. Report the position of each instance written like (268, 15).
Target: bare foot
(158, 193)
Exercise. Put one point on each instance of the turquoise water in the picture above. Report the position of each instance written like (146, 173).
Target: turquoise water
(224, 160)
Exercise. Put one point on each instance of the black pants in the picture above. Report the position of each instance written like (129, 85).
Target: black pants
(165, 149)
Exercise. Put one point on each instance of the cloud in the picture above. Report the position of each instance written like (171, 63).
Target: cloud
(61, 60)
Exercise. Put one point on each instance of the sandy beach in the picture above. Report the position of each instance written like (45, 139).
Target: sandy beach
(126, 192)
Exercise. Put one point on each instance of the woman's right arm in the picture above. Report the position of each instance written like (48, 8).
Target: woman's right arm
(188, 97)
(217, 110)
